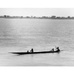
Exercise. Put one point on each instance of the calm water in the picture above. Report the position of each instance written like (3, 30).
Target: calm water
(40, 34)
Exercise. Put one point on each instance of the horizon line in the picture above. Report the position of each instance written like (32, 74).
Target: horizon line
(35, 16)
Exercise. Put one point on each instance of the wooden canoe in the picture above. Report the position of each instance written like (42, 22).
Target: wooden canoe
(41, 52)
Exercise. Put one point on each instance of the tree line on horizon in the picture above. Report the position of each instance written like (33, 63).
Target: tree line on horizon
(42, 17)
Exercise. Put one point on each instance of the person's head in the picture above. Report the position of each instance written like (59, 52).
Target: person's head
(57, 47)
(52, 48)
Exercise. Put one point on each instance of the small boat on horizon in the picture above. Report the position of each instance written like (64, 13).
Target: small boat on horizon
(40, 52)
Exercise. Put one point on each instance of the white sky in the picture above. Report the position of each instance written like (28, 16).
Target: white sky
(37, 11)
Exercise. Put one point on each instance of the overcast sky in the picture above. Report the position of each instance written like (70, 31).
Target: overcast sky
(37, 11)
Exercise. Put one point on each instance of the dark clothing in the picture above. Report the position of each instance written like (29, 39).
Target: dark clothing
(58, 49)
(27, 51)
(52, 49)
(32, 50)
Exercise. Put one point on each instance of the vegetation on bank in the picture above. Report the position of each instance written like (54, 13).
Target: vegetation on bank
(35, 17)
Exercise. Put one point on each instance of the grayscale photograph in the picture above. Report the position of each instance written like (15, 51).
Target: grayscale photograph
(36, 36)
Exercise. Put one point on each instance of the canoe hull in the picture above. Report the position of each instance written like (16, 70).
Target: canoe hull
(42, 52)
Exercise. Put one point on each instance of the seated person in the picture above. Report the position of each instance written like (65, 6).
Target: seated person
(57, 49)
(27, 51)
(52, 49)
(31, 50)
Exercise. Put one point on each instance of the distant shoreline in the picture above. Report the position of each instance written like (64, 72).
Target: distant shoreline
(34, 17)
(38, 18)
